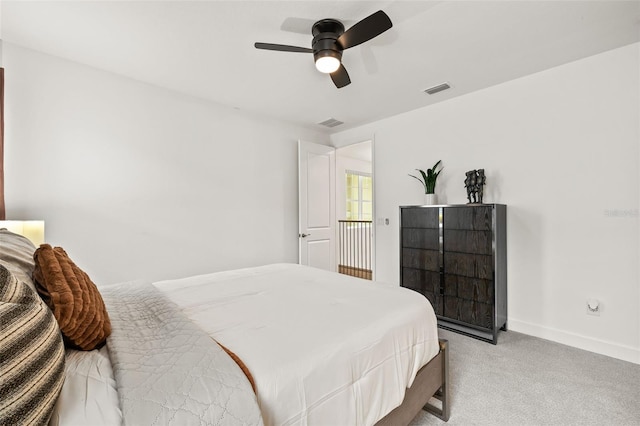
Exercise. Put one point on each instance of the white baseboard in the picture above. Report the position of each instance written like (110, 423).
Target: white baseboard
(614, 350)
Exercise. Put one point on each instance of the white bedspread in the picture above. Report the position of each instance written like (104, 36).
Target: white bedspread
(323, 348)
(167, 370)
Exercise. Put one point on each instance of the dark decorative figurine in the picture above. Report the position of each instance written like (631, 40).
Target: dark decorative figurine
(470, 184)
(474, 183)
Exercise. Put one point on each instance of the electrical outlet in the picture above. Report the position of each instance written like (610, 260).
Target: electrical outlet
(593, 307)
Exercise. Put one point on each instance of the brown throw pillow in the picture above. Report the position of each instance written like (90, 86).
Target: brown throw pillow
(73, 297)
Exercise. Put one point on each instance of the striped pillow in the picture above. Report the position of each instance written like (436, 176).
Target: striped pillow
(31, 355)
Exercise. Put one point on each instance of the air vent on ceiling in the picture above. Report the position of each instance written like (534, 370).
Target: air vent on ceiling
(438, 88)
(331, 122)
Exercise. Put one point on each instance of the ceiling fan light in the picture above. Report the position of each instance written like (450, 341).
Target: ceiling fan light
(327, 64)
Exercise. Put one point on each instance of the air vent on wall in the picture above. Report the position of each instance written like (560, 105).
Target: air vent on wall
(331, 122)
(438, 88)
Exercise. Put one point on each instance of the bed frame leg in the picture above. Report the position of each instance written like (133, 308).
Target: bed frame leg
(443, 393)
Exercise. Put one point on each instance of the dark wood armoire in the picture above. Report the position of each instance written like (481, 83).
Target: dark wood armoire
(456, 256)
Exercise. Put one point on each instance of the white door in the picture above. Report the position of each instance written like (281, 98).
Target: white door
(316, 198)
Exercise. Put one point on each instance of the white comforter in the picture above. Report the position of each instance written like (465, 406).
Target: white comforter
(323, 348)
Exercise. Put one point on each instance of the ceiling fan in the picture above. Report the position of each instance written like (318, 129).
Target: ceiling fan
(330, 39)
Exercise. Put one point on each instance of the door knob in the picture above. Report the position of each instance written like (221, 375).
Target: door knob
(303, 235)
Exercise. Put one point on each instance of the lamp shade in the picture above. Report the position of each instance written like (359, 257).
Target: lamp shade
(327, 64)
(327, 60)
(31, 229)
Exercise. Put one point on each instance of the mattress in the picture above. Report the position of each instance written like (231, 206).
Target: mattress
(323, 348)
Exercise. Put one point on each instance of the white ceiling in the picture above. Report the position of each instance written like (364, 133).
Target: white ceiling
(205, 48)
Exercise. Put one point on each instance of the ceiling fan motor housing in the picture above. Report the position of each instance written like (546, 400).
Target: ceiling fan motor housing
(330, 39)
(325, 36)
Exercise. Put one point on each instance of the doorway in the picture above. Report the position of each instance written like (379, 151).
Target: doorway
(355, 248)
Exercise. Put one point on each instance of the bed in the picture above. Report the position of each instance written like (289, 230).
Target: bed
(278, 345)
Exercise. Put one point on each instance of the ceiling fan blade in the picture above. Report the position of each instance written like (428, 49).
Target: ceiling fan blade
(370, 27)
(340, 77)
(282, 47)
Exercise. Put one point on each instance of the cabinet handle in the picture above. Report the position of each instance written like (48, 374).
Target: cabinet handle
(441, 281)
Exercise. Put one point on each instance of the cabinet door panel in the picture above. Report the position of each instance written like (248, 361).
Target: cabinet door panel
(477, 218)
(420, 259)
(469, 265)
(465, 241)
(420, 280)
(451, 285)
(451, 307)
(469, 288)
(420, 217)
(421, 238)
(437, 302)
(480, 314)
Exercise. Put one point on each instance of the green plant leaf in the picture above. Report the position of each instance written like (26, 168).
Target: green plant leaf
(424, 175)
(418, 179)
(431, 178)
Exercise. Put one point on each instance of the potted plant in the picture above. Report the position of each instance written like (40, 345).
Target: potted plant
(428, 181)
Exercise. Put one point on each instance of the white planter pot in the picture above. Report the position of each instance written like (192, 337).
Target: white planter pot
(430, 199)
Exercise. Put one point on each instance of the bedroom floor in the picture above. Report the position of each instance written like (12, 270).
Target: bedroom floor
(525, 380)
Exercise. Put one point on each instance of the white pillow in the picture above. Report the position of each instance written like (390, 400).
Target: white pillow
(89, 395)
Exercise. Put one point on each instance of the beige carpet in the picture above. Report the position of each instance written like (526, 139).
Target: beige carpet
(529, 381)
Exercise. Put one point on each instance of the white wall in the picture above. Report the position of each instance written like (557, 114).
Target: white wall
(561, 149)
(140, 182)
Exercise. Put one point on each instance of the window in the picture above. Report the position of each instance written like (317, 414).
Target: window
(359, 196)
